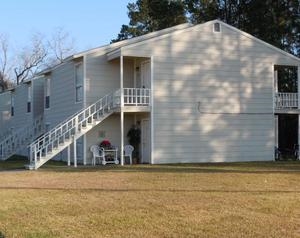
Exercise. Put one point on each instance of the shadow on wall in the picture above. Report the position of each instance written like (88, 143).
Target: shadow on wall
(218, 90)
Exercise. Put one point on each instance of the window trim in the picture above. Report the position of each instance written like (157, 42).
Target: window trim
(29, 107)
(47, 93)
(12, 105)
(80, 85)
(29, 99)
(219, 28)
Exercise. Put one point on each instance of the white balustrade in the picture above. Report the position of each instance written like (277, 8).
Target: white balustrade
(75, 125)
(72, 127)
(137, 96)
(20, 138)
(286, 100)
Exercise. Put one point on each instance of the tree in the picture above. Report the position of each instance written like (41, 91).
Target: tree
(151, 15)
(31, 59)
(202, 10)
(276, 22)
(4, 67)
(60, 46)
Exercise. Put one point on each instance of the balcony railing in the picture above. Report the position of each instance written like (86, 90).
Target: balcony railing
(137, 96)
(286, 100)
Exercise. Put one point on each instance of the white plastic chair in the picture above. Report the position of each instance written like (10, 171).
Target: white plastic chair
(98, 152)
(128, 149)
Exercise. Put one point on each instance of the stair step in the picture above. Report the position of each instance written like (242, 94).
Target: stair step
(29, 166)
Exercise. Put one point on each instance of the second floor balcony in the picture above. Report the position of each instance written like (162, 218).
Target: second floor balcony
(286, 101)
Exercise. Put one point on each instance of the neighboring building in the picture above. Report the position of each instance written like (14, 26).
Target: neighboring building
(21, 118)
(201, 93)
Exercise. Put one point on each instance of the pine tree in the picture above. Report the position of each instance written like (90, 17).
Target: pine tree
(151, 15)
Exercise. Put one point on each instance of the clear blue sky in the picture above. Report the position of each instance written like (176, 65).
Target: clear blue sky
(91, 23)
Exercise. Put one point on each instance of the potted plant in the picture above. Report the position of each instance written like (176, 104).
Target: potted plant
(105, 144)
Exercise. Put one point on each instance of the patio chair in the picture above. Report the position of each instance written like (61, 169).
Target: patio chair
(128, 149)
(98, 152)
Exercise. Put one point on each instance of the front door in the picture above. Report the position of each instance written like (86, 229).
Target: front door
(146, 145)
(146, 74)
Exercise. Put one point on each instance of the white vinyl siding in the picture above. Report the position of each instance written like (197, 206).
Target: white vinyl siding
(102, 77)
(109, 129)
(62, 97)
(5, 113)
(79, 82)
(213, 95)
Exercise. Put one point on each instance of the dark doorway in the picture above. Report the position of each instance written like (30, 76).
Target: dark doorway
(287, 133)
(287, 78)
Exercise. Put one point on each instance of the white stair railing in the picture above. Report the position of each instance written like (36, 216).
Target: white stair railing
(57, 139)
(19, 139)
(286, 100)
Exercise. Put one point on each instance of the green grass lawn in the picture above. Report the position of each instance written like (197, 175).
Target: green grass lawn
(189, 200)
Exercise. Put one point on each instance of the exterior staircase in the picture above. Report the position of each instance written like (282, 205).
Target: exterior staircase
(64, 134)
(18, 140)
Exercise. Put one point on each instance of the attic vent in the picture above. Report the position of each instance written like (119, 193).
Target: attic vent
(217, 27)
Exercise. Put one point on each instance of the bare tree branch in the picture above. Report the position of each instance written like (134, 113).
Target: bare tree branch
(4, 78)
(61, 45)
(31, 59)
(39, 54)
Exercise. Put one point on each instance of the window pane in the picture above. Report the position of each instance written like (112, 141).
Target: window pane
(79, 75)
(47, 101)
(28, 106)
(29, 93)
(79, 94)
(47, 87)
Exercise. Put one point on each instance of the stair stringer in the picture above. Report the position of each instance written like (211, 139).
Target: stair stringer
(61, 147)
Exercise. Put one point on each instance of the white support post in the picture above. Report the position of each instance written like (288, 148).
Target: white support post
(275, 88)
(298, 137)
(276, 81)
(122, 138)
(151, 112)
(298, 84)
(69, 155)
(122, 112)
(84, 149)
(121, 81)
(134, 74)
(75, 152)
(276, 129)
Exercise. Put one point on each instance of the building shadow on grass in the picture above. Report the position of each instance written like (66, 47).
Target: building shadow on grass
(17, 164)
(150, 190)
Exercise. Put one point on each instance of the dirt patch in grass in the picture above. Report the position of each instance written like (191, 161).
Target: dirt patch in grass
(206, 200)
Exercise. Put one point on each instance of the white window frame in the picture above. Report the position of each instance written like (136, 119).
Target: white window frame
(12, 105)
(29, 98)
(214, 28)
(78, 83)
(47, 92)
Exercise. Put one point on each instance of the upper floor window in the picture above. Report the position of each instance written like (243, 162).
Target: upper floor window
(79, 82)
(217, 27)
(29, 96)
(12, 105)
(47, 93)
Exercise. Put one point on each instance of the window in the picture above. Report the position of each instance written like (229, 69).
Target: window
(28, 106)
(12, 105)
(29, 98)
(47, 93)
(217, 27)
(78, 82)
